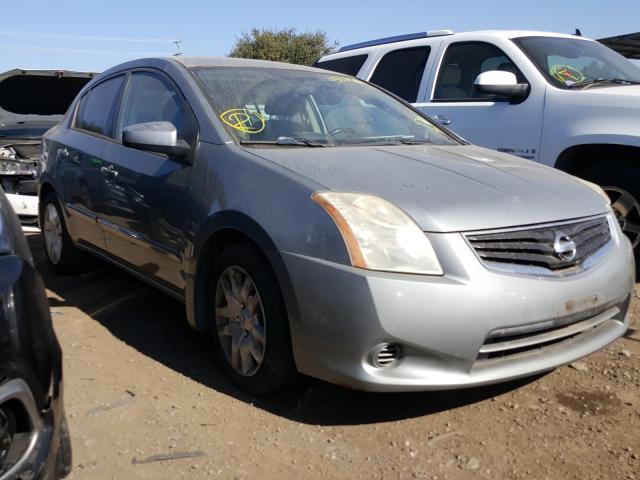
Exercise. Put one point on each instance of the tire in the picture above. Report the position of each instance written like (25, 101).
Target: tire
(63, 257)
(621, 180)
(250, 326)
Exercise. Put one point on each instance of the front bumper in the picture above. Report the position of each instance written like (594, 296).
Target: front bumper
(441, 324)
(40, 448)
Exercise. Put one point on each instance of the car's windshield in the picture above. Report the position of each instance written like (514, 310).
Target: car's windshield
(275, 106)
(566, 62)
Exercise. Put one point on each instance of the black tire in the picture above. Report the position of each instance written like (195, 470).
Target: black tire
(619, 178)
(71, 259)
(277, 369)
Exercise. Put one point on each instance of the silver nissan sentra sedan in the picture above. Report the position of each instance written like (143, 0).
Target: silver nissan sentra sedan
(315, 224)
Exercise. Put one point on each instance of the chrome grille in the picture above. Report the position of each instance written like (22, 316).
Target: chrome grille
(538, 246)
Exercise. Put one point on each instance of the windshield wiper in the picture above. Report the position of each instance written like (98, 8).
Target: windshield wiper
(392, 140)
(294, 141)
(595, 81)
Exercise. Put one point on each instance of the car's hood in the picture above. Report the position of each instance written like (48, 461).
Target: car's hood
(38, 95)
(447, 188)
(618, 90)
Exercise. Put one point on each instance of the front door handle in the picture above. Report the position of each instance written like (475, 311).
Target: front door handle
(109, 172)
(442, 120)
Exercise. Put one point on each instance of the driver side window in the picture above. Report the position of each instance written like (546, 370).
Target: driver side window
(149, 98)
(462, 63)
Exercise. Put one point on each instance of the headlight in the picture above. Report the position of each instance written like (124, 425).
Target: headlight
(378, 235)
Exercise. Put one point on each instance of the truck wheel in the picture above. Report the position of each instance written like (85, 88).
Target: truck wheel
(621, 181)
(62, 255)
(249, 322)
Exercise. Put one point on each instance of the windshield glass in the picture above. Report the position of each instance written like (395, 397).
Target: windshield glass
(295, 107)
(568, 61)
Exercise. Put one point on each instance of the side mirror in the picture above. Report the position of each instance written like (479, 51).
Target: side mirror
(159, 137)
(502, 84)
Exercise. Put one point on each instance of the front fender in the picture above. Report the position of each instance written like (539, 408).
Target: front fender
(197, 263)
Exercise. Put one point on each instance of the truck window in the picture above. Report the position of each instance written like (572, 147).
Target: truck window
(347, 65)
(462, 63)
(400, 71)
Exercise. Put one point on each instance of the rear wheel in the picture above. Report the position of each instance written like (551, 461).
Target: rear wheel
(249, 322)
(62, 255)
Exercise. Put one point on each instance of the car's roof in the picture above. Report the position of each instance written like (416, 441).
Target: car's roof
(192, 62)
(416, 39)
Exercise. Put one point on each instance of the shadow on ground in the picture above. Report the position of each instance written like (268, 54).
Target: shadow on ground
(156, 326)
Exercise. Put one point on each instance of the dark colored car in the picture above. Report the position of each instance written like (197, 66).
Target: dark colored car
(34, 439)
(31, 102)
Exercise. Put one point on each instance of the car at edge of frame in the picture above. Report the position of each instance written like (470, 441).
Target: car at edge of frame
(34, 439)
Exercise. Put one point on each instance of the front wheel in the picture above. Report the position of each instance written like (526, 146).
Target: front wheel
(621, 181)
(249, 322)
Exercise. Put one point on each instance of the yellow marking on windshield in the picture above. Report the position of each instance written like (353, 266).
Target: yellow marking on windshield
(567, 73)
(243, 120)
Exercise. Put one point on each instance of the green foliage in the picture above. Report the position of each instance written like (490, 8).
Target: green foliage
(282, 45)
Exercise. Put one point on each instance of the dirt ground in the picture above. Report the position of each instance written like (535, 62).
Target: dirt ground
(141, 386)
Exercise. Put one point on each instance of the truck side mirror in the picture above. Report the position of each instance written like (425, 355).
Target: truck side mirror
(501, 84)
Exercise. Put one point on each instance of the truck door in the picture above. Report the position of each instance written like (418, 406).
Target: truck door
(483, 119)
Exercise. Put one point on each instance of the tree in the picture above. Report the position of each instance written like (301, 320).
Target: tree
(282, 45)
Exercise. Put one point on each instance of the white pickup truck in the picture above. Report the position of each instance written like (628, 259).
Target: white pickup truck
(561, 100)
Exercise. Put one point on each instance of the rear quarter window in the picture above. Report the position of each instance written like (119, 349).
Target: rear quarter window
(97, 107)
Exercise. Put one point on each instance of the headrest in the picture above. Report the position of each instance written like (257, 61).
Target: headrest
(451, 75)
(508, 67)
(284, 105)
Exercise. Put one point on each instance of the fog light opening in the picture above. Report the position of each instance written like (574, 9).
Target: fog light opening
(386, 355)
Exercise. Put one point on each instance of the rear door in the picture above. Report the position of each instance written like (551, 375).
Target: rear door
(480, 118)
(143, 208)
(80, 159)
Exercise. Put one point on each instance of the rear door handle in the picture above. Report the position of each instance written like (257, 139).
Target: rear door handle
(442, 120)
(109, 172)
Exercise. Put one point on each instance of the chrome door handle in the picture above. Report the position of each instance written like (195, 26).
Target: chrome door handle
(442, 120)
(109, 172)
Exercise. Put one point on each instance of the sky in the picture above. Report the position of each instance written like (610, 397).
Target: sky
(92, 36)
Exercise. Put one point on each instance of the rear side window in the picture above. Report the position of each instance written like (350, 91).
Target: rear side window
(347, 65)
(401, 71)
(97, 107)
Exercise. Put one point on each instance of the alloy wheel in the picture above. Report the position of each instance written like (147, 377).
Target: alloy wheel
(52, 233)
(240, 321)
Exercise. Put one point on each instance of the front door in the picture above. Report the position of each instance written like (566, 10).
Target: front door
(480, 119)
(143, 211)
